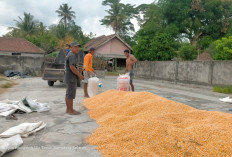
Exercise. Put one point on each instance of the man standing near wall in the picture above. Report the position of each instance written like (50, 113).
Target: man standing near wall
(71, 75)
(88, 69)
(130, 61)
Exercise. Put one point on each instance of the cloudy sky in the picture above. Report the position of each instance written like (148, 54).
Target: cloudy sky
(88, 13)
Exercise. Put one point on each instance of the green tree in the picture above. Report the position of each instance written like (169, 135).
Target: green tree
(152, 22)
(155, 40)
(159, 48)
(119, 19)
(66, 14)
(116, 17)
(58, 30)
(41, 29)
(197, 18)
(187, 52)
(45, 41)
(223, 49)
(76, 32)
(27, 25)
(204, 42)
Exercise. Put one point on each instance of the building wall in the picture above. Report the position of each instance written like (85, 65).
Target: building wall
(27, 64)
(194, 72)
(21, 54)
(114, 46)
(222, 72)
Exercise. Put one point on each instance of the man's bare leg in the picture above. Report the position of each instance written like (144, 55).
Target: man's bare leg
(132, 87)
(85, 90)
(67, 107)
(71, 111)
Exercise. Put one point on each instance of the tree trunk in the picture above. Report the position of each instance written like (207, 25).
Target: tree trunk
(193, 40)
(65, 23)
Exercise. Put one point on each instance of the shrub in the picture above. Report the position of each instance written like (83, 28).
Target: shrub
(187, 52)
(223, 49)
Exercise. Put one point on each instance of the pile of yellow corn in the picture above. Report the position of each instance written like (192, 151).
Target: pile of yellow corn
(144, 124)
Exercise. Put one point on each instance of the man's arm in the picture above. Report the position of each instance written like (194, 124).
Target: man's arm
(133, 59)
(75, 71)
(72, 63)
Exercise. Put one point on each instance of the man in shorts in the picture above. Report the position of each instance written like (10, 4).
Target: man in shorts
(130, 61)
(88, 69)
(71, 75)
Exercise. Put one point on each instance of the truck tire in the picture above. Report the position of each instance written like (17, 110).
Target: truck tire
(50, 83)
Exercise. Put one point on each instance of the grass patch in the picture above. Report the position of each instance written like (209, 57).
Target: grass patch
(7, 85)
(223, 89)
(2, 79)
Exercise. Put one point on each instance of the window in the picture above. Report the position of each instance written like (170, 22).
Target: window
(16, 54)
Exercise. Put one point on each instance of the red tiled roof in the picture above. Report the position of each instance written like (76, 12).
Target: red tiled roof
(18, 45)
(101, 40)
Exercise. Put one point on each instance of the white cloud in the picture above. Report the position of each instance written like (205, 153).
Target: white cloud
(4, 30)
(93, 25)
(88, 12)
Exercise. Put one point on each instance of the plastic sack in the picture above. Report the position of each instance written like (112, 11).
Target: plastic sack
(123, 82)
(226, 99)
(35, 106)
(9, 144)
(93, 84)
(24, 129)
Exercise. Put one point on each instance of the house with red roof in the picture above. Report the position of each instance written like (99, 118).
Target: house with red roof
(20, 55)
(110, 47)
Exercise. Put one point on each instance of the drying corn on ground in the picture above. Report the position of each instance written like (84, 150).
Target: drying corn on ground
(144, 124)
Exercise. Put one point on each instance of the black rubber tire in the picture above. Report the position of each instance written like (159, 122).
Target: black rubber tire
(50, 83)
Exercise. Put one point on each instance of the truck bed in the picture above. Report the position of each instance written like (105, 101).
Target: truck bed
(53, 74)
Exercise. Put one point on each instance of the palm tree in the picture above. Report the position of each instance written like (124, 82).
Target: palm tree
(27, 24)
(119, 16)
(41, 28)
(66, 14)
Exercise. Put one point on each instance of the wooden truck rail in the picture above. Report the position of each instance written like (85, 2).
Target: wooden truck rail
(53, 75)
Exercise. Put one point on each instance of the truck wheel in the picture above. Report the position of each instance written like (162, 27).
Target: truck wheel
(50, 83)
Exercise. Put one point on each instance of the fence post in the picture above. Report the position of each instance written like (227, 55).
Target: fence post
(176, 73)
(211, 73)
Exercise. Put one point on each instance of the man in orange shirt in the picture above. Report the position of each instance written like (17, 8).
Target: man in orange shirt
(88, 69)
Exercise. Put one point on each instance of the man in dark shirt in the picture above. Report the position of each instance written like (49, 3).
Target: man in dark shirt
(71, 75)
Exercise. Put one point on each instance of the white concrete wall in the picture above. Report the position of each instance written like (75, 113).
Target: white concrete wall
(194, 72)
(28, 64)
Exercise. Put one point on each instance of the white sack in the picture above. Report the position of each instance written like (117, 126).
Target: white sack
(93, 86)
(24, 129)
(9, 144)
(226, 99)
(123, 82)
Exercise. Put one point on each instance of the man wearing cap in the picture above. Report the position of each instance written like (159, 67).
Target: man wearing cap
(88, 69)
(71, 75)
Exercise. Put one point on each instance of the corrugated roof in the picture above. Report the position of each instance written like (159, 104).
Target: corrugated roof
(101, 40)
(18, 45)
